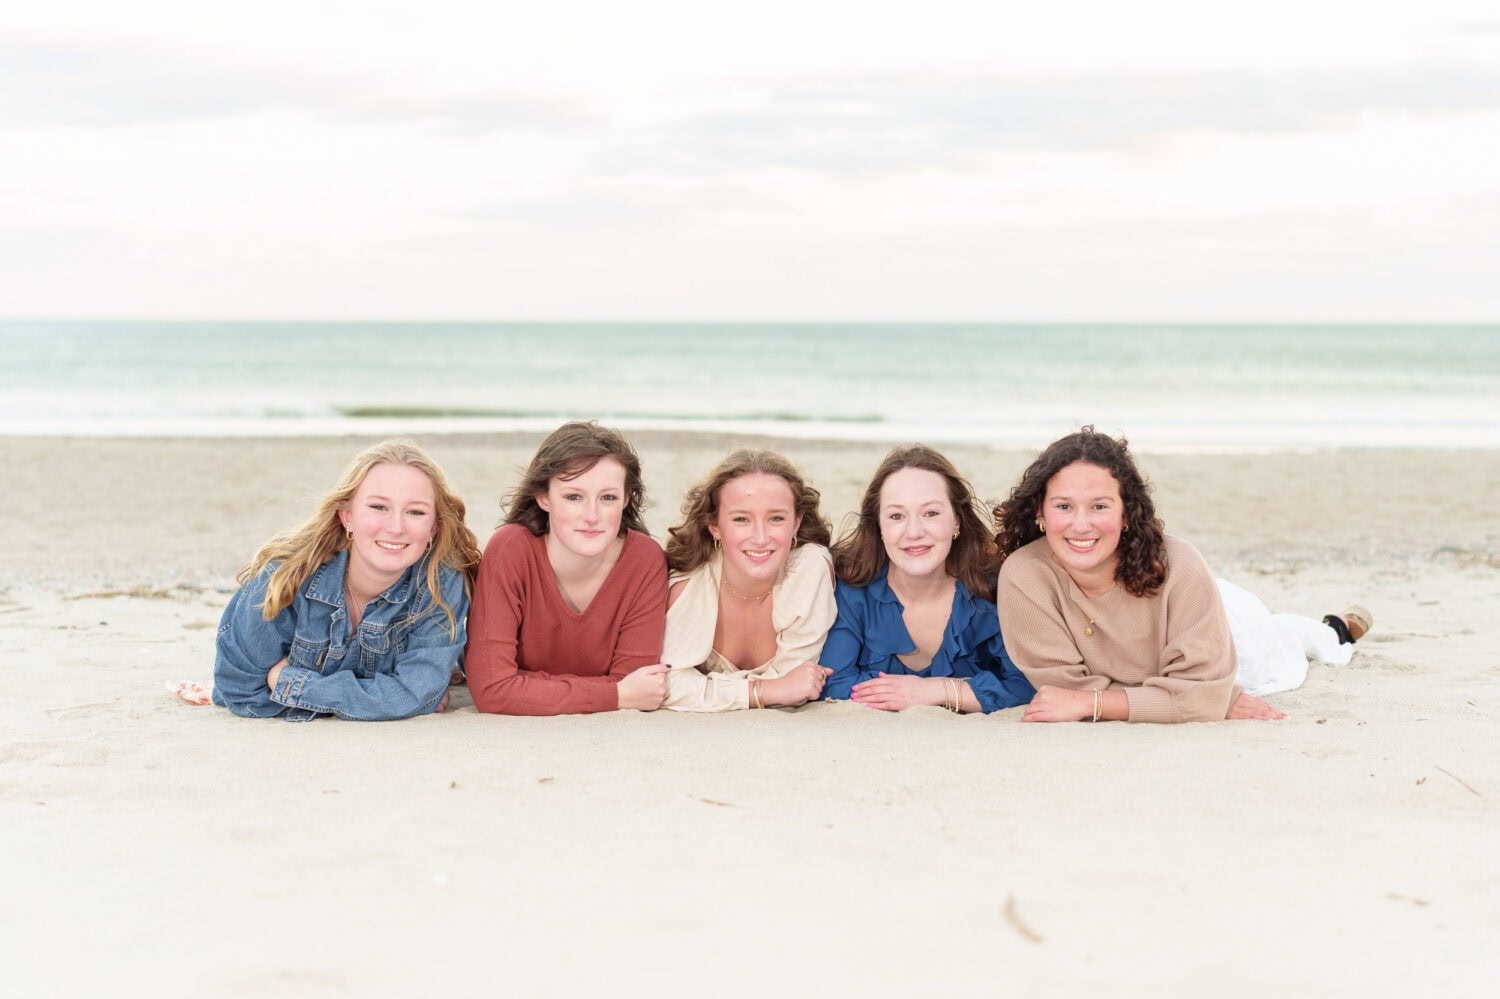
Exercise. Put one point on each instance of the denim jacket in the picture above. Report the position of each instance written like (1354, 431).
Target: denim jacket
(398, 664)
(870, 635)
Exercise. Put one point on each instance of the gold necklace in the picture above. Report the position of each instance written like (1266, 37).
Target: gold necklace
(737, 593)
(1088, 629)
(354, 608)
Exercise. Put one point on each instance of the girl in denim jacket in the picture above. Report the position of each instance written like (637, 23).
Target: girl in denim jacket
(360, 613)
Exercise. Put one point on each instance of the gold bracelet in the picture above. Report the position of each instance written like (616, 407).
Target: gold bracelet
(1096, 705)
(755, 694)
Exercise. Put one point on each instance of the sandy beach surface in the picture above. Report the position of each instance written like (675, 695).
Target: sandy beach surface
(150, 847)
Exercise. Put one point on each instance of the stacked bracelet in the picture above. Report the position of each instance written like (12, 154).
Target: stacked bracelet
(1096, 706)
(955, 701)
(755, 701)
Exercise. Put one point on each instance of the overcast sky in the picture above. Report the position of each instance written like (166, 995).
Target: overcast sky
(437, 159)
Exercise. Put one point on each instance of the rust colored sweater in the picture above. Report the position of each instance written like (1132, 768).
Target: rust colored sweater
(1171, 653)
(530, 653)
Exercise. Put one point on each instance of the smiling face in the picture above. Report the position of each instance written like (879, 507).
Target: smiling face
(392, 516)
(1084, 517)
(917, 522)
(584, 511)
(755, 526)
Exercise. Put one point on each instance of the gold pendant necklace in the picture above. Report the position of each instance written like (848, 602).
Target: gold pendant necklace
(1088, 629)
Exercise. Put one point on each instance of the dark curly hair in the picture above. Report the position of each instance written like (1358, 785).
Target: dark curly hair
(860, 555)
(1142, 567)
(567, 453)
(690, 544)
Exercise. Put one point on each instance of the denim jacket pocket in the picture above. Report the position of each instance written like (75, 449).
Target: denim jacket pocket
(387, 641)
(376, 642)
(307, 654)
(378, 648)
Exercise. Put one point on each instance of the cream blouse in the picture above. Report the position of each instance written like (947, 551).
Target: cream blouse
(802, 611)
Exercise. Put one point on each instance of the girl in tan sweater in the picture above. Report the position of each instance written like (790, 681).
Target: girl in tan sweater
(1111, 618)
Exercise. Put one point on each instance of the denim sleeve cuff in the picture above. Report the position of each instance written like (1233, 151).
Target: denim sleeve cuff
(289, 685)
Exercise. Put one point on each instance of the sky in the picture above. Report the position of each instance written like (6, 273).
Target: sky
(980, 161)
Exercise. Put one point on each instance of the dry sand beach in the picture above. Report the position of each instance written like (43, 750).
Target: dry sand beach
(149, 847)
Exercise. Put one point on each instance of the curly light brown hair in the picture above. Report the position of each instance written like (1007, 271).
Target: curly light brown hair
(1141, 568)
(690, 544)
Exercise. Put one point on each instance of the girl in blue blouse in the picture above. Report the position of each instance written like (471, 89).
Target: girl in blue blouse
(916, 613)
(360, 612)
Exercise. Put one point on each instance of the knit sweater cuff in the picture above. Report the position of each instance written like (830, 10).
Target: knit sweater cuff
(1151, 704)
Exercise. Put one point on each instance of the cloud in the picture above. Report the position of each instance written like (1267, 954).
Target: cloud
(102, 85)
(898, 121)
(837, 123)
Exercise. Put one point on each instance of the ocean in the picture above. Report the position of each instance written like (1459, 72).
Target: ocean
(1168, 387)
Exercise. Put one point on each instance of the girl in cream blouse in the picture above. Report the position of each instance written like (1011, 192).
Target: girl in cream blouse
(750, 595)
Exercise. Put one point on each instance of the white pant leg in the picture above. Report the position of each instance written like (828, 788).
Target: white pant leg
(1270, 658)
(1314, 638)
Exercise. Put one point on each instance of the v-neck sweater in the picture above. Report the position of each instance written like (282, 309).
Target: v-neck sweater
(531, 653)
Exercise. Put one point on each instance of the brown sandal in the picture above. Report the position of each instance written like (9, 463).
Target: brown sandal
(1351, 625)
(1359, 621)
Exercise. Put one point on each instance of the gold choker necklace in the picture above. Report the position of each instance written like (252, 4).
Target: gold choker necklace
(737, 593)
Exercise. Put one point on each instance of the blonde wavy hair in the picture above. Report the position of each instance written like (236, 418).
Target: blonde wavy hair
(298, 554)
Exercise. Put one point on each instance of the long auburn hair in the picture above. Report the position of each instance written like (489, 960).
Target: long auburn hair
(299, 553)
(860, 555)
(690, 544)
(1142, 565)
(566, 453)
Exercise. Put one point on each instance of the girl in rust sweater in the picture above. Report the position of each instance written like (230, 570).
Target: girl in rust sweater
(571, 598)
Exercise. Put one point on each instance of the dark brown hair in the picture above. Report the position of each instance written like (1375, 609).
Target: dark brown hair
(860, 555)
(690, 544)
(1141, 568)
(567, 453)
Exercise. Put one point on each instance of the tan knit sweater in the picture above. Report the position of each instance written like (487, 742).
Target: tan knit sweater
(1171, 653)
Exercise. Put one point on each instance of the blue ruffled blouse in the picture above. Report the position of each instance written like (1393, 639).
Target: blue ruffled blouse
(869, 637)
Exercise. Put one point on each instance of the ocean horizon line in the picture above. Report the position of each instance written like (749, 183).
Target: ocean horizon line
(1208, 438)
(1165, 386)
(1206, 324)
